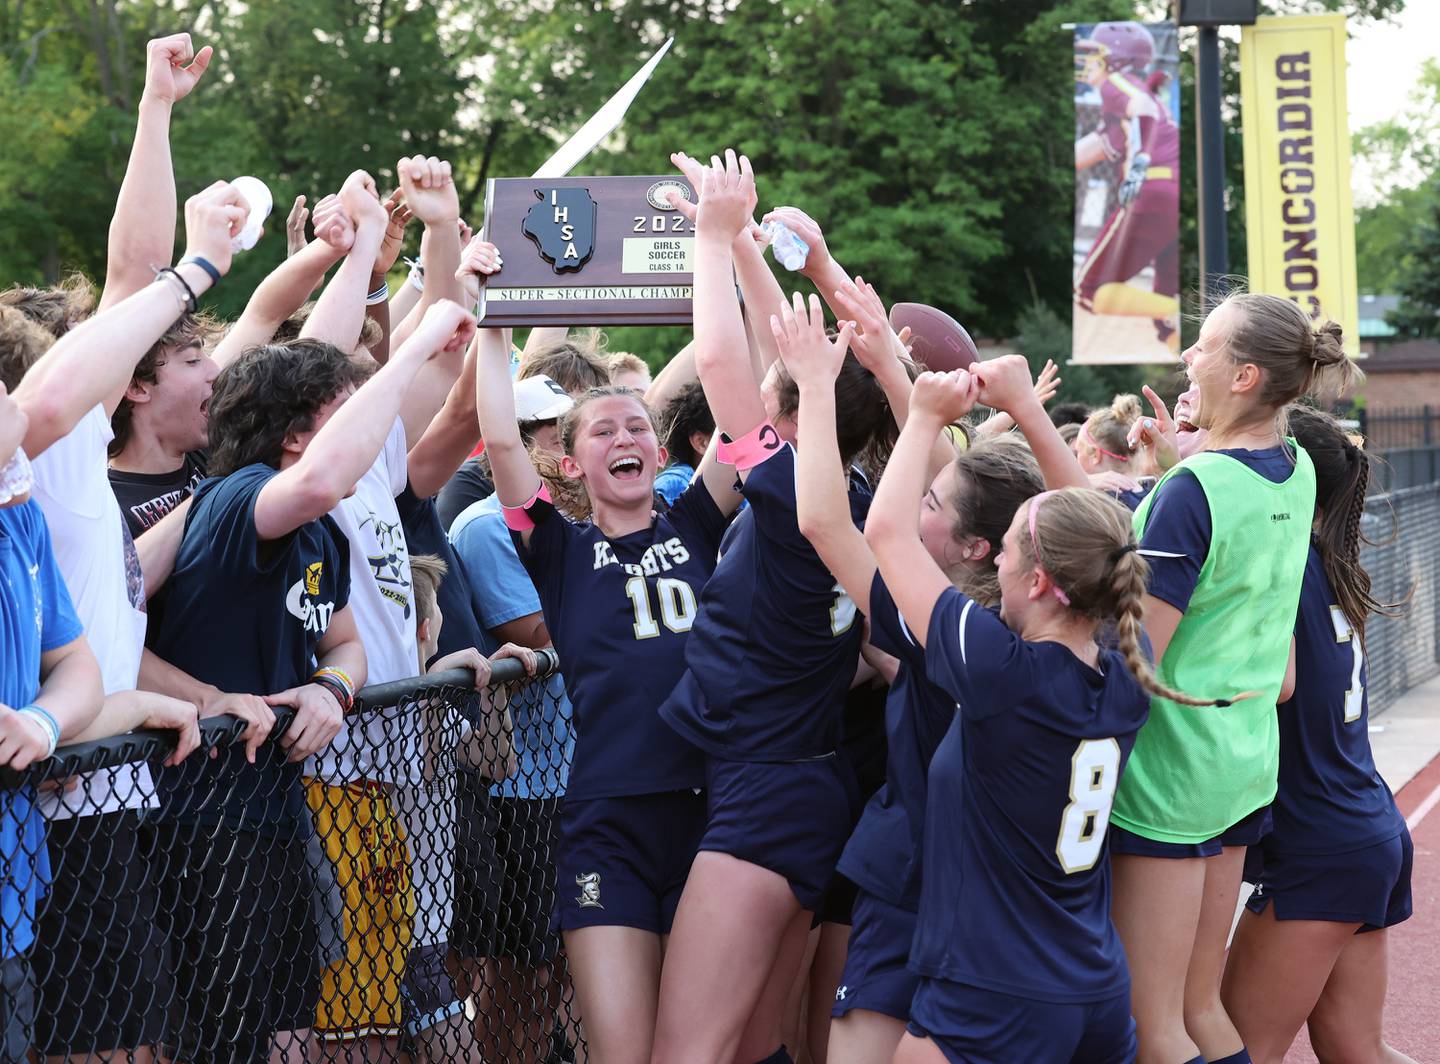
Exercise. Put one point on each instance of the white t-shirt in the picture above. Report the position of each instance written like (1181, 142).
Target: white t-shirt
(384, 745)
(97, 558)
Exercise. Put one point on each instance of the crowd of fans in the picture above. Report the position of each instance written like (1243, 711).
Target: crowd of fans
(817, 780)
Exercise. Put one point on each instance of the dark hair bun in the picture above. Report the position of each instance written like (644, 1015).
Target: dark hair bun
(1328, 348)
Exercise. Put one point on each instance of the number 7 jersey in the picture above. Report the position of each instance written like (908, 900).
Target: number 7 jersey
(1016, 892)
(619, 612)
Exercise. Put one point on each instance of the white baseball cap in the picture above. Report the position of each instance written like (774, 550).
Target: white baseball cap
(539, 398)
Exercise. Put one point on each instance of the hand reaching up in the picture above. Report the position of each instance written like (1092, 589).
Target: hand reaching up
(446, 327)
(173, 67)
(399, 217)
(808, 354)
(295, 227)
(480, 257)
(944, 397)
(429, 190)
(333, 225)
(875, 342)
(808, 230)
(726, 196)
(362, 203)
(1005, 383)
(212, 219)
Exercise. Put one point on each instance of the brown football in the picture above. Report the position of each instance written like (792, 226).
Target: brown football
(936, 339)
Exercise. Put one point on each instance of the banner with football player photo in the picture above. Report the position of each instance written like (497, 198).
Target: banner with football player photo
(1127, 193)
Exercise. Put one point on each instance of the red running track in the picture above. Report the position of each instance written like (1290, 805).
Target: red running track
(1412, 1010)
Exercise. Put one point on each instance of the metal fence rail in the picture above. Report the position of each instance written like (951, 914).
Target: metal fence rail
(383, 921)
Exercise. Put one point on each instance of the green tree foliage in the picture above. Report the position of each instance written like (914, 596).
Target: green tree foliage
(932, 141)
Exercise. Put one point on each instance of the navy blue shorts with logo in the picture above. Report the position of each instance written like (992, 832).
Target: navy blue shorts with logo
(974, 1026)
(877, 976)
(622, 861)
(1246, 832)
(791, 817)
(1370, 886)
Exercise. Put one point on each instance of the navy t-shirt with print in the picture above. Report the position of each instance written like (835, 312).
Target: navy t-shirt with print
(247, 615)
(775, 645)
(620, 613)
(1331, 799)
(884, 854)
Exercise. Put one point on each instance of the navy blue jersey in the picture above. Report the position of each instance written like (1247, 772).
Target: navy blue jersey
(1331, 798)
(1177, 532)
(247, 615)
(620, 612)
(1016, 891)
(776, 642)
(884, 853)
(420, 518)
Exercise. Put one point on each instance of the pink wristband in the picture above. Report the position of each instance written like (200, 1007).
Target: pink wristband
(751, 449)
(517, 518)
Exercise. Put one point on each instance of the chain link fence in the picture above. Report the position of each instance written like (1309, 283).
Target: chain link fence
(252, 912)
(1403, 528)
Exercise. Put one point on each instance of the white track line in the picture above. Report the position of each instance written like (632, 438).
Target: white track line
(1422, 810)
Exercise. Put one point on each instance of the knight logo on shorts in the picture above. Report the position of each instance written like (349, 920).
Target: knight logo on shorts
(589, 884)
(562, 225)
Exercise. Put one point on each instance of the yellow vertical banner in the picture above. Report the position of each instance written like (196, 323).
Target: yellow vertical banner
(1299, 218)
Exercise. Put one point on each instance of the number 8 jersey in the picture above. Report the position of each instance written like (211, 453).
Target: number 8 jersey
(1016, 892)
(619, 612)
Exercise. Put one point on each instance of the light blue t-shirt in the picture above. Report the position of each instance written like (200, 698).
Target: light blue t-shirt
(36, 616)
(672, 480)
(501, 591)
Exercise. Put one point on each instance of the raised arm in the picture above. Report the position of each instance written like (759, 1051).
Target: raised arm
(284, 291)
(879, 350)
(346, 445)
(721, 356)
(821, 495)
(379, 312)
(820, 266)
(1005, 384)
(142, 232)
(95, 360)
(340, 312)
(673, 376)
(516, 481)
(430, 194)
(893, 527)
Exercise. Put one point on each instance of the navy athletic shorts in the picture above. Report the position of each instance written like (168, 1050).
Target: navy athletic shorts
(876, 975)
(623, 861)
(792, 818)
(1370, 887)
(1246, 832)
(974, 1026)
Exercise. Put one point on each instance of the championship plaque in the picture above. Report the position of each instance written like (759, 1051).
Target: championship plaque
(588, 251)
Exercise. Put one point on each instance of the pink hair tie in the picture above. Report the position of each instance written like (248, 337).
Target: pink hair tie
(1089, 437)
(1035, 545)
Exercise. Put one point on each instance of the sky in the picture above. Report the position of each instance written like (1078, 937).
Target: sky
(1384, 61)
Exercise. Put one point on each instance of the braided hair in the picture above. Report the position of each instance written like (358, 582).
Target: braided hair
(1342, 478)
(1084, 542)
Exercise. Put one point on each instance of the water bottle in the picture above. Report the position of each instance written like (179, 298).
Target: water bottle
(789, 249)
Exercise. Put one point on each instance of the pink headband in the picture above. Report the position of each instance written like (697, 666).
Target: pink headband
(1035, 545)
(1089, 438)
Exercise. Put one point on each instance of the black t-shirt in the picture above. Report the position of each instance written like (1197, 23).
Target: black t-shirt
(468, 485)
(147, 497)
(247, 615)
